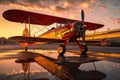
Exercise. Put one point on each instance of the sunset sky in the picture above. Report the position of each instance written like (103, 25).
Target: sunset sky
(105, 12)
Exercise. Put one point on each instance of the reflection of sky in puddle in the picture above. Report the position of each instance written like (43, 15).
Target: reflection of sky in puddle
(9, 70)
(111, 69)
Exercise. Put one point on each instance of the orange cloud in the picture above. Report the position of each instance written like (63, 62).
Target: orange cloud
(66, 4)
(34, 8)
(117, 10)
(53, 8)
(112, 20)
(92, 1)
(72, 16)
(84, 5)
(116, 21)
(102, 7)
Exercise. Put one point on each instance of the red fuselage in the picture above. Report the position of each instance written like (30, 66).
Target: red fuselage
(61, 32)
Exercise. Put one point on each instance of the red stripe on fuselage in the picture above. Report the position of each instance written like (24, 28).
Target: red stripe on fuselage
(62, 32)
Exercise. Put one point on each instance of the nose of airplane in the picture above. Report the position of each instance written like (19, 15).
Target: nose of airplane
(79, 26)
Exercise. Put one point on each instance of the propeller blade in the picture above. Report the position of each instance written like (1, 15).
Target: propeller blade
(84, 30)
(82, 16)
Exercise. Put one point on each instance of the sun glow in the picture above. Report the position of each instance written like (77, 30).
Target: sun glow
(84, 5)
(67, 9)
(66, 4)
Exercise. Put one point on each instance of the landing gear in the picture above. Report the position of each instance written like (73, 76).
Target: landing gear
(83, 51)
(61, 49)
(61, 58)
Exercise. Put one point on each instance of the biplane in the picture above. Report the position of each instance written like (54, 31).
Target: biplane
(66, 30)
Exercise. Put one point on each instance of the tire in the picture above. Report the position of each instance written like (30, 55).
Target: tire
(85, 48)
(61, 49)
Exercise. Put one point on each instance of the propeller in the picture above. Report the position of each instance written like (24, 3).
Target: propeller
(79, 27)
(83, 30)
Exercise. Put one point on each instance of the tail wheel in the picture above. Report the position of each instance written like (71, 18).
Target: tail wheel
(61, 49)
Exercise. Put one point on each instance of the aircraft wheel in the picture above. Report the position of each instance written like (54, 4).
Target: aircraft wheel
(84, 50)
(61, 49)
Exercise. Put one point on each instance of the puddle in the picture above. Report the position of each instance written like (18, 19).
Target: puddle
(9, 70)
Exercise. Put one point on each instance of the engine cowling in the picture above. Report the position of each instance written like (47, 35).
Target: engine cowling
(78, 29)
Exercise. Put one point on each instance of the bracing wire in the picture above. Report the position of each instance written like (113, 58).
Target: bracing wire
(40, 30)
(36, 27)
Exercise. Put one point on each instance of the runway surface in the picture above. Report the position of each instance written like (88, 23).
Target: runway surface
(69, 47)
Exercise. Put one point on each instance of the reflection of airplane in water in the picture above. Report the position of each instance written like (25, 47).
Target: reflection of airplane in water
(65, 68)
(68, 70)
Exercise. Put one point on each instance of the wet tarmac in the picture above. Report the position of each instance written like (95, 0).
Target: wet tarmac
(68, 47)
(9, 70)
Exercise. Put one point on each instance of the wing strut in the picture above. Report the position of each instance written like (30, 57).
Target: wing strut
(94, 34)
(29, 26)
